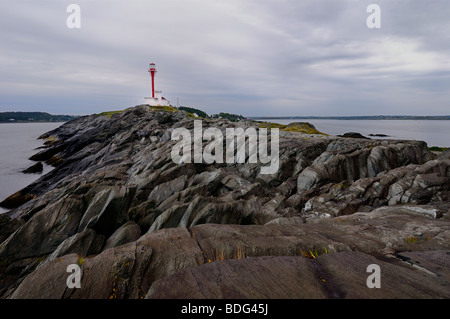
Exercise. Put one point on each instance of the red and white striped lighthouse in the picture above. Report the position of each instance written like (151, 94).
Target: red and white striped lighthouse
(152, 72)
(157, 98)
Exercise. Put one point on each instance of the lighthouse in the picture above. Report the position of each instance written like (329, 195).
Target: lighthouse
(157, 99)
(152, 71)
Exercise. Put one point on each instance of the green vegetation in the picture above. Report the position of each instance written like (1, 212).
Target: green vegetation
(229, 116)
(412, 239)
(80, 260)
(189, 110)
(154, 108)
(299, 127)
(313, 255)
(192, 110)
(416, 239)
(26, 117)
(111, 113)
(437, 149)
(163, 108)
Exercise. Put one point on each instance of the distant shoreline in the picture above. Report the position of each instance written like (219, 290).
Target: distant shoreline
(42, 117)
(33, 117)
(21, 122)
(369, 117)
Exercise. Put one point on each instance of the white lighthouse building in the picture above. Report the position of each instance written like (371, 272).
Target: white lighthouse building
(157, 99)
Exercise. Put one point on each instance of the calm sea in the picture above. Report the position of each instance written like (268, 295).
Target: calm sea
(433, 132)
(18, 141)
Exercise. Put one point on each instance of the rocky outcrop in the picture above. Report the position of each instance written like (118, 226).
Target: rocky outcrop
(229, 261)
(36, 168)
(141, 225)
(353, 135)
(338, 275)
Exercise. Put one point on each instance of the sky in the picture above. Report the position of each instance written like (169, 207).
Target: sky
(249, 57)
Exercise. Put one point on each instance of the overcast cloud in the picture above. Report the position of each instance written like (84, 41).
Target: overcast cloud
(299, 57)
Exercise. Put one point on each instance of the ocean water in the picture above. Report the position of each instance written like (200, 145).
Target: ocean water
(18, 142)
(433, 132)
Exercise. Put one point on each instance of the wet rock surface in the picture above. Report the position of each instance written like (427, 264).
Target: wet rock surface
(141, 226)
(34, 169)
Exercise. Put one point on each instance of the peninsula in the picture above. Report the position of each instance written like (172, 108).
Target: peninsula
(140, 225)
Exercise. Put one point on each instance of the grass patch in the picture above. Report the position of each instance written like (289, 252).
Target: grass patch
(437, 149)
(292, 127)
(111, 113)
(313, 254)
(152, 108)
(416, 239)
(163, 108)
(80, 260)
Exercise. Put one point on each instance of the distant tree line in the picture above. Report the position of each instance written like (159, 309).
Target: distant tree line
(192, 110)
(11, 117)
(200, 113)
(23, 117)
(229, 116)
